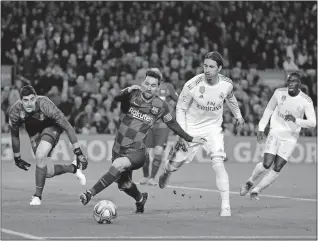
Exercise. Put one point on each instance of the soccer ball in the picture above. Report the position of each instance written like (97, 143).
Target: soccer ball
(105, 212)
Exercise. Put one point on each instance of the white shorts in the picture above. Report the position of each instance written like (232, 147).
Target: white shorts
(279, 147)
(213, 147)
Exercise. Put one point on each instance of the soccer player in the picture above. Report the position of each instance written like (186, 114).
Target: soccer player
(140, 109)
(199, 111)
(44, 123)
(158, 135)
(285, 110)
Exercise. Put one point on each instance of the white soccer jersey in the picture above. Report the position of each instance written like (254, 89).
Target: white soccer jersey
(282, 104)
(200, 105)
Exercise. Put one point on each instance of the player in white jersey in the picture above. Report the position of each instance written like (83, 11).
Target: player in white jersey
(199, 110)
(285, 110)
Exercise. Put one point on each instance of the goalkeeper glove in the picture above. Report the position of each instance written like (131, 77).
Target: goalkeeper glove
(81, 158)
(21, 163)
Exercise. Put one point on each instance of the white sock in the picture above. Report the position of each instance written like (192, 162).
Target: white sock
(258, 171)
(222, 183)
(266, 181)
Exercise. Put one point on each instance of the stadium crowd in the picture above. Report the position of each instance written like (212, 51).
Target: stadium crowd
(80, 54)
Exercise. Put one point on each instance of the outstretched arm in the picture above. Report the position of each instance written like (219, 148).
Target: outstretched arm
(15, 139)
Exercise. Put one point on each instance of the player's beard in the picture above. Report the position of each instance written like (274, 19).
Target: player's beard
(147, 95)
(211, 79)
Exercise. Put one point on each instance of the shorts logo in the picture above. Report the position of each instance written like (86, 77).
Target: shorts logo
(201, 90)
(221, 96)
(154, 110)
(283, 97)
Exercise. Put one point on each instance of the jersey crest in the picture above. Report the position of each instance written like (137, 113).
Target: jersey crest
(201, 90)
(154, 110)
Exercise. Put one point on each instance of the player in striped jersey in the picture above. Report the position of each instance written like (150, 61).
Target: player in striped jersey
(285, 110)
(200, 110)
(140, 109)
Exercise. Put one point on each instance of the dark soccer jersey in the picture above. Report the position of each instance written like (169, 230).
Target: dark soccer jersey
(46, 114)
(166, 92)
(136, 118)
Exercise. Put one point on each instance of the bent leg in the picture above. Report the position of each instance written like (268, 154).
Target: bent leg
(119, 165)
(126, 184)
(42, 151)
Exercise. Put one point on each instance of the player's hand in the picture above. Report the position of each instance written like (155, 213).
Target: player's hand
(82, 160)
(21, 163)
(261, 136)
(134, 87)
(240, 122)
(199, 140)
(181, 144)
(290, 118)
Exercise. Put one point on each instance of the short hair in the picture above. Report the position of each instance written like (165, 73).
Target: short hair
(297, 75)
(27, 90)
(155, 73)
(216, 57)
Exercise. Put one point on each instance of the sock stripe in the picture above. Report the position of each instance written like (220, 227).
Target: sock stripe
(102, 180)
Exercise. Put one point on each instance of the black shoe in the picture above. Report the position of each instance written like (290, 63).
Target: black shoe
(140, 206)
(254, 195)
(85, 197)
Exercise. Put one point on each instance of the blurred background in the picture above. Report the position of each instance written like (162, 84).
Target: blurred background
(80, 54)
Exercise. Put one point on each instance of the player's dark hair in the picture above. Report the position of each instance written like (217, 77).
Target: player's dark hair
(27, 90)
(297, 75)
(155, 73)
(216, 57)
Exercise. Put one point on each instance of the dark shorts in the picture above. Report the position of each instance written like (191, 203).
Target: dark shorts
(136, 157)
(157, 137)
(50, 134)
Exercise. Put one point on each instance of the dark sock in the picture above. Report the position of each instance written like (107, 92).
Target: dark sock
(145, 167)
(112, 175)
(40, 177)
(134, 192)
(60, 169)
(155, 165)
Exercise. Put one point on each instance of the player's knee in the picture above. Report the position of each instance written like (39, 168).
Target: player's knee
(158, 151)
(121, 164)
(122, 186)
(172, 166)
(50, 170)
(266, 164)
(278, 165)
(217, 160)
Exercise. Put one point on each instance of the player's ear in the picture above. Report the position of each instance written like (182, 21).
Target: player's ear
(220, 68)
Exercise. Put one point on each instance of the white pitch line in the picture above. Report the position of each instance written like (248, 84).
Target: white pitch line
(23, 235)
(186, 237)
(263, 195)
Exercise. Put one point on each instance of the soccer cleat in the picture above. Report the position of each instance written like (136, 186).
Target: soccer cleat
(152, 182)
(163, 179)
(254, 195)
(85, 197)
(35, 201)
(246, 188)
(143, 181)
(226, 212)
(140, 206)
(79, 174)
